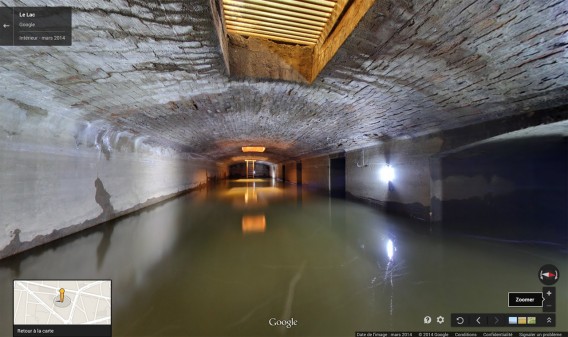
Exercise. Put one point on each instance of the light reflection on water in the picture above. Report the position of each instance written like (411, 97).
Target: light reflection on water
(254, 223)
(185, 267)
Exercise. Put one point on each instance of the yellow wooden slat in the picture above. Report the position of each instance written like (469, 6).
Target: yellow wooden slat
(268, 30)
(322, 2)
(273, 33)
(254, 24)
(255, 18)
(246, 7)
(296, 3)
(323, 11)
(339, 7)
(269, 35)
(272, 17)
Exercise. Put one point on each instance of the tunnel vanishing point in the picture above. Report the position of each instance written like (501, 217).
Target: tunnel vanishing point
(463, 103)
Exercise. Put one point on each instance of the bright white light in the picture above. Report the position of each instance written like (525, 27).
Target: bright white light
(390, 249)
(386, 173)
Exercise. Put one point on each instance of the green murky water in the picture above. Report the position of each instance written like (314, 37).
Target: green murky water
(224, 261)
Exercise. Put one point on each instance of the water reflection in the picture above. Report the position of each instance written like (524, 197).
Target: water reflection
(125, 251)
(389, 274)
(184, 269)
(254, 224)
(250, 195)
(104, 244)
(256, 193)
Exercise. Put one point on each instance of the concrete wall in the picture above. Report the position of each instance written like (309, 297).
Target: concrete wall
(92, 254)
(290, 174)
(222, 172)
(409, 192)
(278, 171)
(515, 189)
(58, 176)
(513, 186)
(315, 173)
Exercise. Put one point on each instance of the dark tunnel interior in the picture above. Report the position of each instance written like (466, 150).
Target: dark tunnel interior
(367, 168)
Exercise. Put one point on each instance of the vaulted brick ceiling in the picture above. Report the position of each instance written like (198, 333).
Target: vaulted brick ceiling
(410, 68)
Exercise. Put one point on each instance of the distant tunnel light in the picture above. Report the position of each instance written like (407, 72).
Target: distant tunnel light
(386, 173)
(253, 148)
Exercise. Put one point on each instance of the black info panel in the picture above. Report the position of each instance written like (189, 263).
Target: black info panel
(35, 26)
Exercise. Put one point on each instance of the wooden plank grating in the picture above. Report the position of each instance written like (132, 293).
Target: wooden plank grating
(292, 21)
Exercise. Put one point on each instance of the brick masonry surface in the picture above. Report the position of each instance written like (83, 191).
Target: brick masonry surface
(411, 68)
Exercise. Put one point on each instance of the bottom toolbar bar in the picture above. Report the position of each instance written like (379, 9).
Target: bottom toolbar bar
(531, 333)
(504, 320)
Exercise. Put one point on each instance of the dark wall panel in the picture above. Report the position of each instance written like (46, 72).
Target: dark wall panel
(337, 177)
(516, 189)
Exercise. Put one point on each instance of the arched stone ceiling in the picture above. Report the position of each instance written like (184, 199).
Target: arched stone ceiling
(410, 68)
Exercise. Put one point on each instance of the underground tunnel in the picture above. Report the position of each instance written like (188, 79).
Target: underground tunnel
(285, 167)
